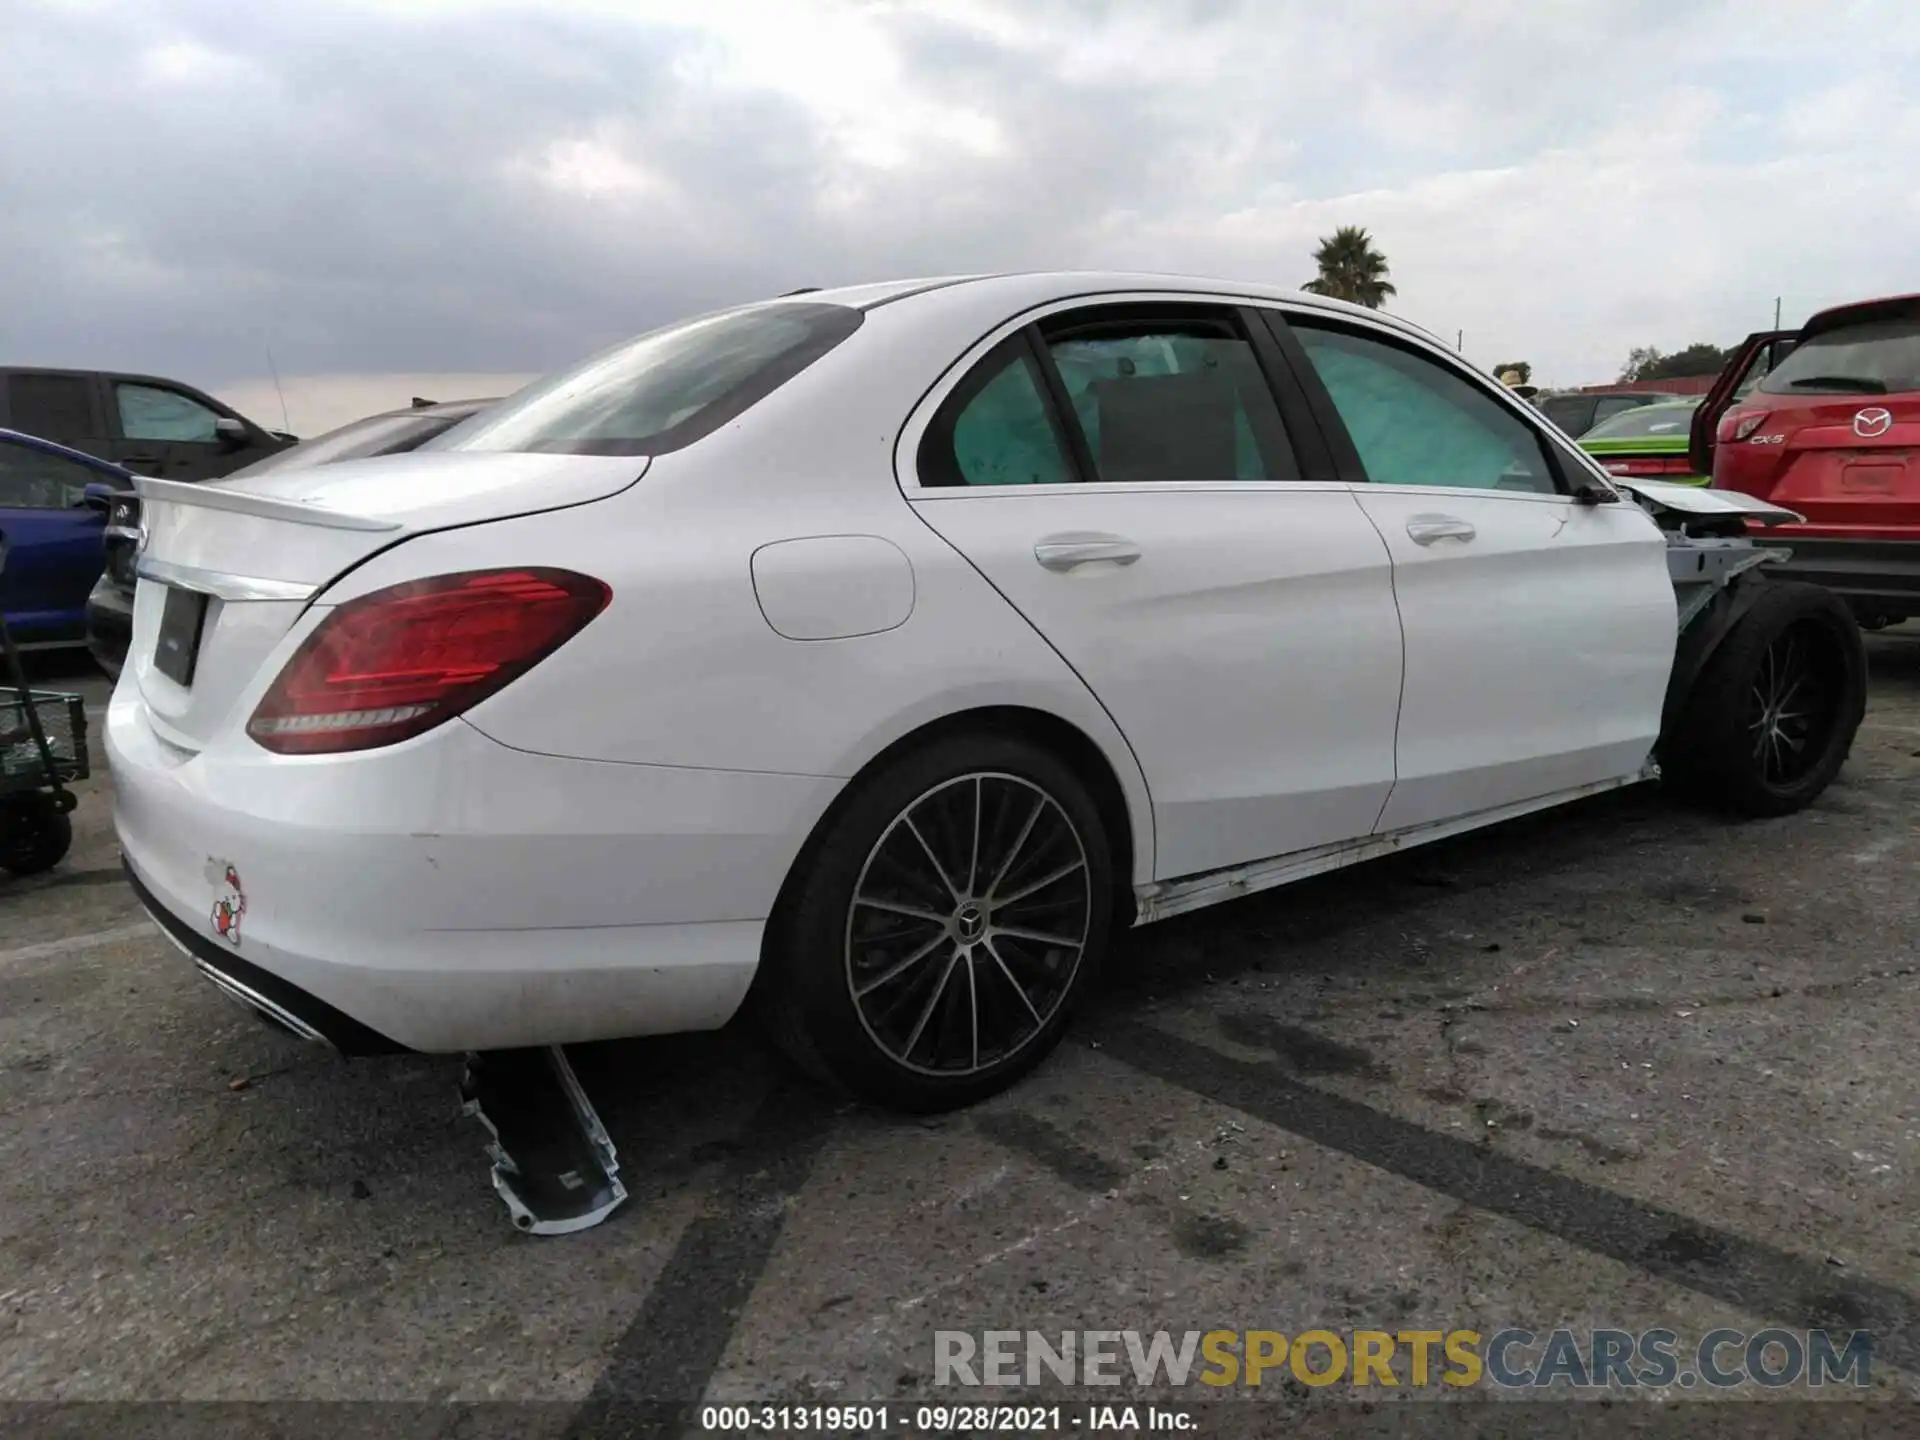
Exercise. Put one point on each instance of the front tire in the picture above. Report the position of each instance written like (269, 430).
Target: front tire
(1774, 713)
(943, 925)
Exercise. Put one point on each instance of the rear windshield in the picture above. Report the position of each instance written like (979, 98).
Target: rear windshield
(664, 390)
(376, 435)
(1645, 422)
(1878, 357)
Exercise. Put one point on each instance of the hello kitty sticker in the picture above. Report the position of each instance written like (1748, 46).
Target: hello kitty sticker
(230, 905)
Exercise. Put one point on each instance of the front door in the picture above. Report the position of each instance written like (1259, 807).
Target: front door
(1539, 629)
(53, 544)
(169, 433)
(1123, 476)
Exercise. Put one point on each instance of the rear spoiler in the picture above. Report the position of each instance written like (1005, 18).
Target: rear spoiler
(240, 502)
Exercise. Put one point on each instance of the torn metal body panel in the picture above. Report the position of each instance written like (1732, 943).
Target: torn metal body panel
(1690, 502)
(553, 1165)
(1715, 567)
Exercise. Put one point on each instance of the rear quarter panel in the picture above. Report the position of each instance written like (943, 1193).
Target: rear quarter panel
(684, 669)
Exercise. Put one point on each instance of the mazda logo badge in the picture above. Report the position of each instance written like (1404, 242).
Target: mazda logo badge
(1873, 422)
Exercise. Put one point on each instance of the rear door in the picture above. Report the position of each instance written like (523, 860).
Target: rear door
(1127, 477)
(53, 538)
(1539, 630)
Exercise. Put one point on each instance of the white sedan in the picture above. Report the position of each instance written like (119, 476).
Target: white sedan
(876, 653)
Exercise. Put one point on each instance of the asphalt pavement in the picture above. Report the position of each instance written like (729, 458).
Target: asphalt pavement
(1622, 1066)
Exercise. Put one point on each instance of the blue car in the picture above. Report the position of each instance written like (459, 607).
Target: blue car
(53, 504)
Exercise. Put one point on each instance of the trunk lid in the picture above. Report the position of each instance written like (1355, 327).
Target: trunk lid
(227, 568)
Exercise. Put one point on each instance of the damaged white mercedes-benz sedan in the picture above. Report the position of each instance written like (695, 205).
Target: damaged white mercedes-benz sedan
(873, 655)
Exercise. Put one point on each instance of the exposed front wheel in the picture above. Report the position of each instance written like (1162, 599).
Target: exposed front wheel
(1774, 713)
(944, 925)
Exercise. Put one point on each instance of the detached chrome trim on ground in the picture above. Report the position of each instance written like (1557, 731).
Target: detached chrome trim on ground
(553, 1166)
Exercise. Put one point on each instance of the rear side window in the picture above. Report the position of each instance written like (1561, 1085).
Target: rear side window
(1571, 415)
(1617, 405)
(1170, 400)
(1879, 357)
(54, 407)
(997, 429)
(663, 390)
(1416, 422)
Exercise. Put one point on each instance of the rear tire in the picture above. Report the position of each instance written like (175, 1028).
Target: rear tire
(942, 926)
(35, 833)
(1772, 716)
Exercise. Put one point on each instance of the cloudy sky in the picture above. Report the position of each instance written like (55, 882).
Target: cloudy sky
(430, 196)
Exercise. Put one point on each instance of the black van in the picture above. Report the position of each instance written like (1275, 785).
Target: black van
(151, 425)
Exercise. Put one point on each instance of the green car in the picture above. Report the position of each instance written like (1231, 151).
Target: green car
(1650, 442)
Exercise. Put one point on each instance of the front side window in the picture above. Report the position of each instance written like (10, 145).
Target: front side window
(31, 479)
(663, 390)
(148, 412)
(1169, 400)
(1416, 422)
(1876, 357)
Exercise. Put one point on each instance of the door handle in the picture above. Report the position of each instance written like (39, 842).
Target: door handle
(1062, 553)
(1425, 529)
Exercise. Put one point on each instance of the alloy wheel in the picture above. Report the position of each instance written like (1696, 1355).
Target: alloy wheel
(968, 923)
(1793, 705)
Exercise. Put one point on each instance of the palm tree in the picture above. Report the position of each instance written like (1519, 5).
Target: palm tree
(1351, 269)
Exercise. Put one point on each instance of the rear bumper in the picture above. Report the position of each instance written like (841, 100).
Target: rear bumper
(294, 1009)
(109, 625)
(1875, 576)
(451, 894)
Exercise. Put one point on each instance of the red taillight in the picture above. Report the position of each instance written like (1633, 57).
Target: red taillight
(402, 660)
(1738, 425)
(1676, 466)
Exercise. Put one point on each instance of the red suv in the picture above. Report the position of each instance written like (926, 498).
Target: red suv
(1826, 421)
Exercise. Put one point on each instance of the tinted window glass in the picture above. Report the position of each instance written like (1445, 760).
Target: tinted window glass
(996, 429)
(663, 390)
(55, 407)
(376, 435)
(149, 413)
(33, 480)
(1571, 413)
(1644, 422)
(1416, 422)
(1617, 405)
(1877, 358)
(1171, 401)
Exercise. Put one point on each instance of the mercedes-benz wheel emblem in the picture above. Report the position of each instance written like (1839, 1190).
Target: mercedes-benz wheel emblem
(1872, 422)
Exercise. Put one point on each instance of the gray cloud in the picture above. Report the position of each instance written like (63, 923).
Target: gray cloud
(400, 185)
